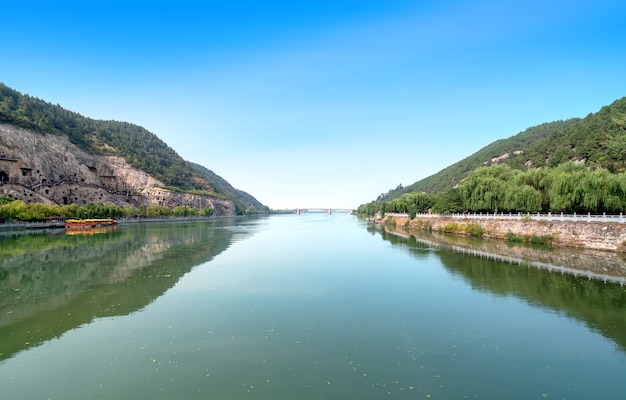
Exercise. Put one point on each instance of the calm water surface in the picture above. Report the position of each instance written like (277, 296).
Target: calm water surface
(295, 307)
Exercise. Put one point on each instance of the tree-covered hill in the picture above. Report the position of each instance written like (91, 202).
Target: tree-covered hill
(139, 147)
(598, 140)
(450, 176)
(243, 201)
(578, 165)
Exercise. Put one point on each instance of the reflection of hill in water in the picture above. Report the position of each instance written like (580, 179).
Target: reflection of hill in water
(52, 284)
(600, 305)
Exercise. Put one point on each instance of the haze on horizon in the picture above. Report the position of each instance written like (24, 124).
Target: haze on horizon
(320, 104)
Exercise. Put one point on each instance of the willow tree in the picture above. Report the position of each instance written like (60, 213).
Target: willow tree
(485, 188)
(601, 191)
(563, 189)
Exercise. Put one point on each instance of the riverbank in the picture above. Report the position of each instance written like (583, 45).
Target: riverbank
(585, 235)
(10, 228)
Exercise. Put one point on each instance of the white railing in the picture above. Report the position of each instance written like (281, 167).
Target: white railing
(519, 216)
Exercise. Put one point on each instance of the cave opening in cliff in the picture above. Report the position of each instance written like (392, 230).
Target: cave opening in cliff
(4, 177)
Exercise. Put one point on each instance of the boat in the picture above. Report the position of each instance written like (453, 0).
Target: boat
(89, 223)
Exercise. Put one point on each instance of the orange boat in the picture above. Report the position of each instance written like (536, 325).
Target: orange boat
(89, 223)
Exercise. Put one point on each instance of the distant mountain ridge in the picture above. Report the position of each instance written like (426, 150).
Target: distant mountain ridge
(139, 148)
(598, 140)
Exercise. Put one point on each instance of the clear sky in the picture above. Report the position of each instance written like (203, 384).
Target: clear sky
(315, 103)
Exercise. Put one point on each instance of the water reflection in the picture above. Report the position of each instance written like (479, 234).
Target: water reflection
(52, 283)
(561, 280)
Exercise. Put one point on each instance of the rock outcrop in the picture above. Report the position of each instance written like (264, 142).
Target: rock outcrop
(45, 168)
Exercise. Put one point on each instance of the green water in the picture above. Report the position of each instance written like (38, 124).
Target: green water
(311, 306)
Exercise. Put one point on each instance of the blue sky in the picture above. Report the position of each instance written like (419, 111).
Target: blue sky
(320, 103)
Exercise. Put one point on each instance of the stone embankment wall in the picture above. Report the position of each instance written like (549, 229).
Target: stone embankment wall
(587, 235)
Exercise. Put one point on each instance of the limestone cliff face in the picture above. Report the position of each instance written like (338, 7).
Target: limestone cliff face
(49, 169)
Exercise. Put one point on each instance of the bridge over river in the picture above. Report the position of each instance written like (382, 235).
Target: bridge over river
(321, 210)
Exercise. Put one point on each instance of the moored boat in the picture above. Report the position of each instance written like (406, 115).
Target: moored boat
(89, 223)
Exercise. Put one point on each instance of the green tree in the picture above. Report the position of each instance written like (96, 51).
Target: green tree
(449, 202)
(155, 211)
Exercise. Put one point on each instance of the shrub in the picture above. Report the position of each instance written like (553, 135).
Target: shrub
(543, 240)
(534, 239)
(474, 229)
(451, 228)
(424, 225)
(513, 238)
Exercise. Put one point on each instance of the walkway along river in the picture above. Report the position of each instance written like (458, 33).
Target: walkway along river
(549, 217)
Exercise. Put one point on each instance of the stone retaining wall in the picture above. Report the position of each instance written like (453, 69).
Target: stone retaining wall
(588, 235)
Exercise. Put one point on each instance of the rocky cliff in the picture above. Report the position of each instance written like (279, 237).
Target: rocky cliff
(47, 168)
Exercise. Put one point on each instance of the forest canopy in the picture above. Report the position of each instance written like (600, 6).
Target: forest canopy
(568, 188)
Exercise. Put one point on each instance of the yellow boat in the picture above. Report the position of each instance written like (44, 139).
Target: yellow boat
(89, 223)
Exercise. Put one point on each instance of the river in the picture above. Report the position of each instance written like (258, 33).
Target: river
(310, 306)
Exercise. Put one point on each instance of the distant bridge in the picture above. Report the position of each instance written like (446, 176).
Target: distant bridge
(321, 210)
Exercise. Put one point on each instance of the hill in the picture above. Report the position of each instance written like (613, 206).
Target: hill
(243, 201)
(598, 140)
(106, 140)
